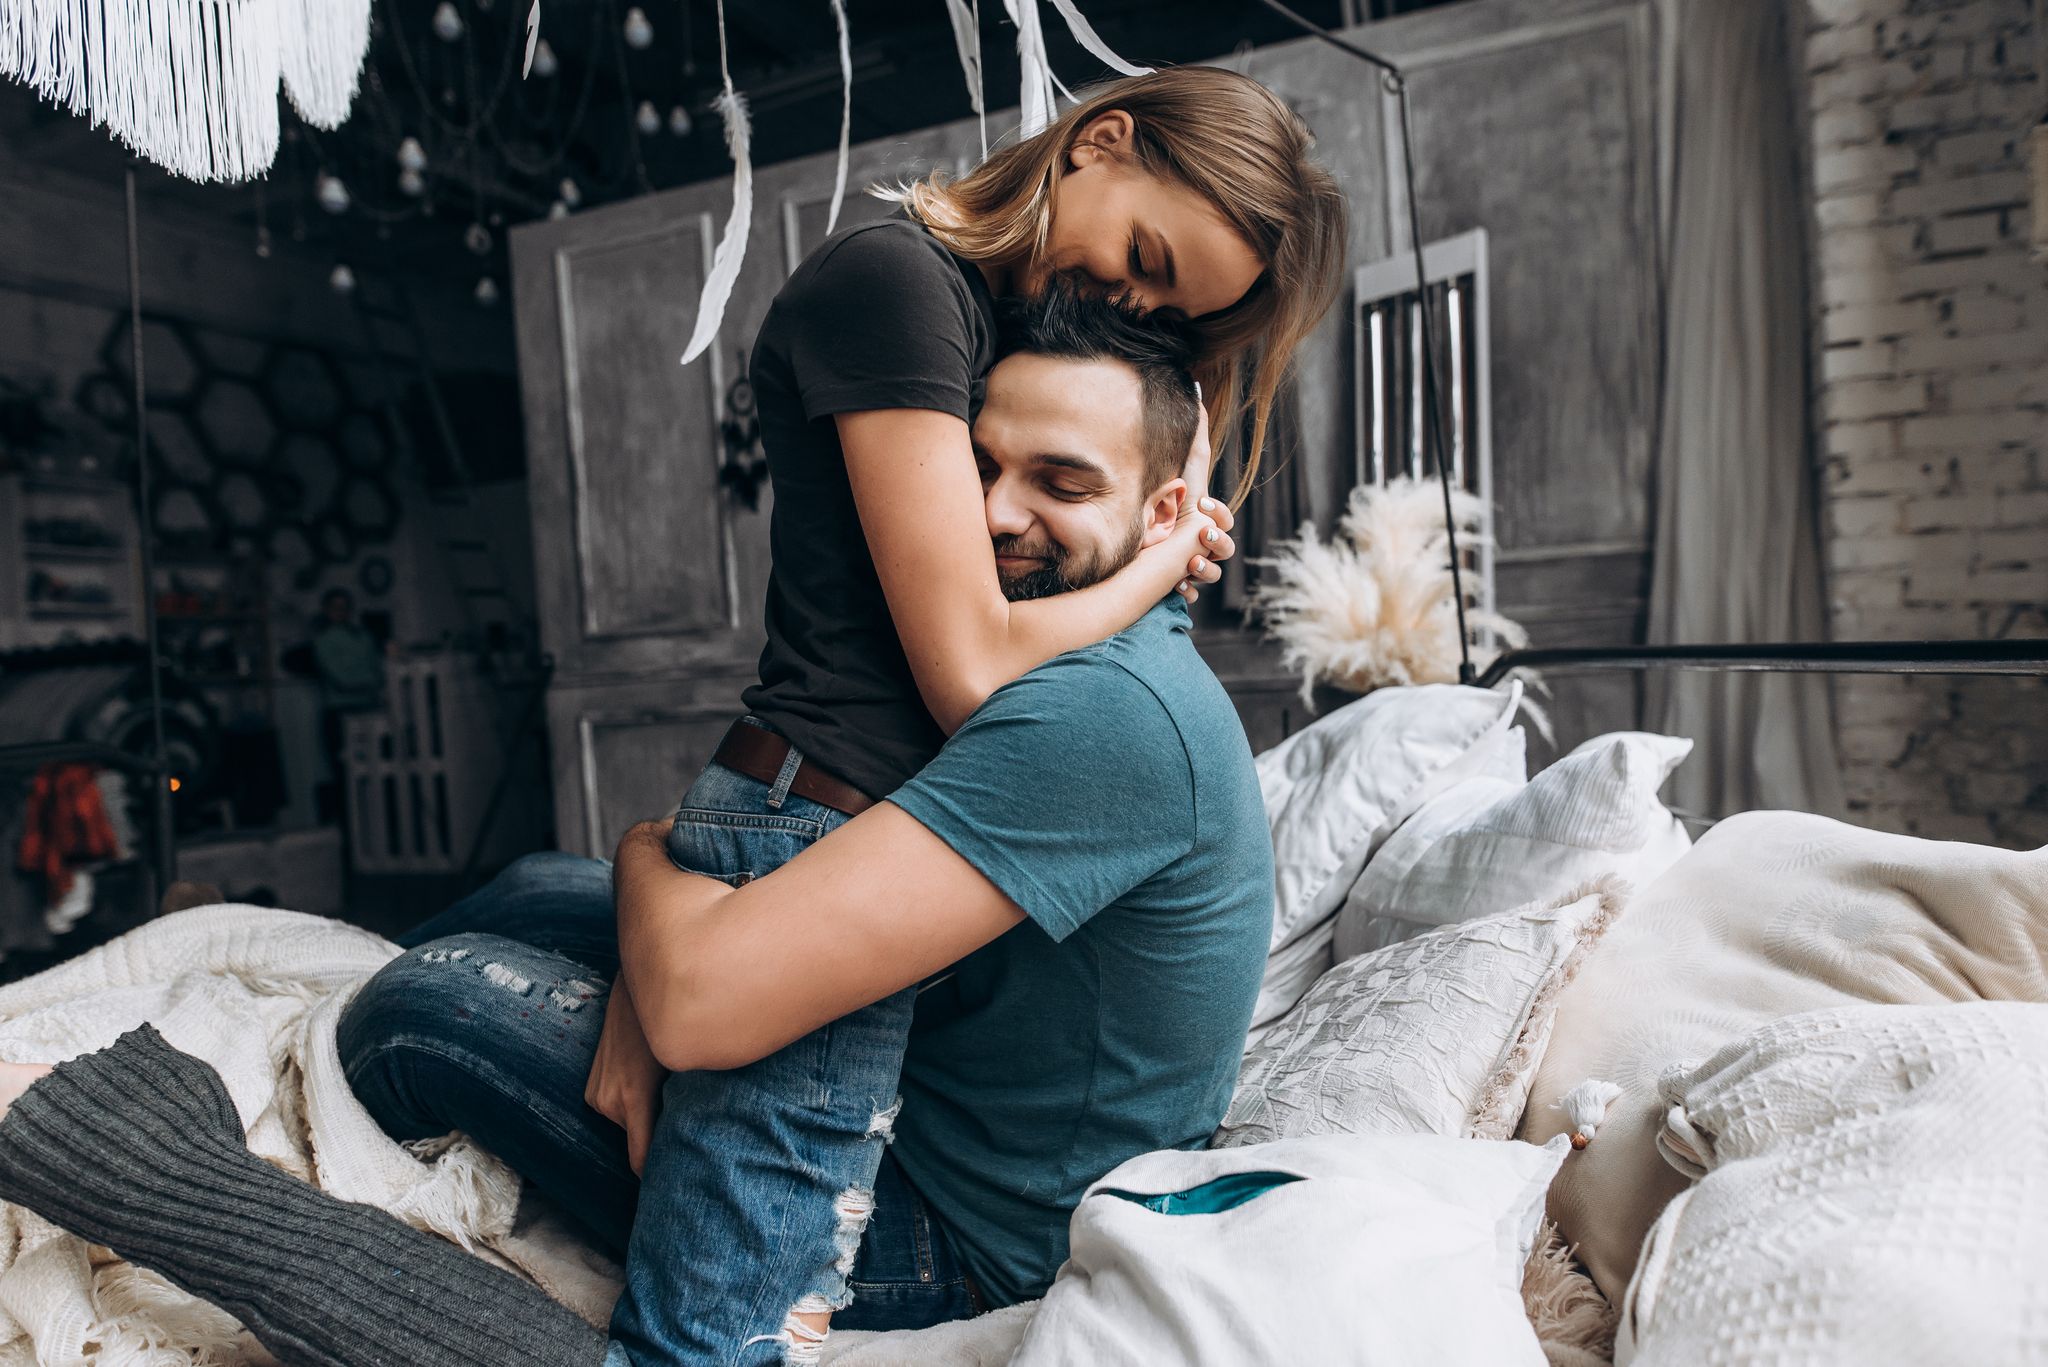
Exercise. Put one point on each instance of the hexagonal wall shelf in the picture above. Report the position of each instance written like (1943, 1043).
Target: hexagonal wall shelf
(235, 421)
(185, 517)
(178, 451)
(316, 466)
(233, 354)
(368, 507)
(243, 503)
(170, 367)
(365, 444)
(333, 540)
(104, 399)
(305, 389)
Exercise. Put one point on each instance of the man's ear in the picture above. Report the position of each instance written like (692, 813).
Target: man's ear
(1162, 511)
(1106, 135)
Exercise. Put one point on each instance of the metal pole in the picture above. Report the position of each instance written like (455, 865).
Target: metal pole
(1432, 426)
(145, 535)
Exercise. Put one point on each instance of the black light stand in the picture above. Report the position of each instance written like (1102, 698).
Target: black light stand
(1396, 83)
(145, 535)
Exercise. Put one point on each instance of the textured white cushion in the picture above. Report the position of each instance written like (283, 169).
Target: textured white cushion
(1436, 1035)
(1771, 914)
(1873, 1194)
(1334, 789)
(1485, 844)
(1391, 1249)
(1500, 756)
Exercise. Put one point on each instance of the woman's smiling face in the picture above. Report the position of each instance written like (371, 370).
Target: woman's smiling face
(1119, 230)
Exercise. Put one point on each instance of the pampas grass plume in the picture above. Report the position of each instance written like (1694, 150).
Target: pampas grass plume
(1373, 605)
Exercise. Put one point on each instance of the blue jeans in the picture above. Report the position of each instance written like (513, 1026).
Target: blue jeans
(767, 1189)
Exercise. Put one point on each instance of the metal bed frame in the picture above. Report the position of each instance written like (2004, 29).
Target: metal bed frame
(2023, 657)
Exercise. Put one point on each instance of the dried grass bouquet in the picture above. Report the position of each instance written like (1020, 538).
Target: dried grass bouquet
(1373, 605)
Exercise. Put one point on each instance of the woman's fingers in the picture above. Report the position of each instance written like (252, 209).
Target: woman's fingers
(1202, 570)
(1218, 545)
(1218, 512)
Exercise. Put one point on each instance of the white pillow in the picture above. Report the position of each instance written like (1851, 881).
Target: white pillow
(1438, 1035)
(1484, 845)
(1389, 1249)
(1873, 1194)
(1335, 789)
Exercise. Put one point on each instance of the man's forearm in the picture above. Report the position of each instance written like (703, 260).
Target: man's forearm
(660, 909)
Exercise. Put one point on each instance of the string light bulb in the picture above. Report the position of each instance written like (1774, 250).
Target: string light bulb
(543, 59)
(571, 195)
(679, 122)
(447, 22)
(477, 238)
(342, 279)
(648, 118)
(558, 210)
(331, 193)
(411, 155)
(487, 291)
(639, 32)
(412, 183)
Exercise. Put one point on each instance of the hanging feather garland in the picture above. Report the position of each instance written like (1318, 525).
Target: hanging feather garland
(1085, 34)
(845, 114)
(732, 244)
(966, 18)
(190, 84)
(1035, 99)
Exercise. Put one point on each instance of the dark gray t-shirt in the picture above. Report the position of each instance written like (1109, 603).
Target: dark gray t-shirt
(881, 315)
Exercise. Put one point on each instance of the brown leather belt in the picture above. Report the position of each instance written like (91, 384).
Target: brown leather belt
(759, 753)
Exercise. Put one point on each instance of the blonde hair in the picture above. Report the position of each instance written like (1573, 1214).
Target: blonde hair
(1230, 140)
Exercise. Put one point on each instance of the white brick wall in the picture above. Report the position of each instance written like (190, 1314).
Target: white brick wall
(1933, 394)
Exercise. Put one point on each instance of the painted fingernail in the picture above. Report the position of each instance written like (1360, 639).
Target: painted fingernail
(1209, 535)
(1201, 564)
(1207, 504)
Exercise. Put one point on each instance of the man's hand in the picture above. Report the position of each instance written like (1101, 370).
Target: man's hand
(626, 1077)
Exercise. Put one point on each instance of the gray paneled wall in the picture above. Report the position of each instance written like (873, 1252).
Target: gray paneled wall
(1534, 120)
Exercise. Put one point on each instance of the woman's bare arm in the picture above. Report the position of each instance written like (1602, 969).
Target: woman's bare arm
(920, 500)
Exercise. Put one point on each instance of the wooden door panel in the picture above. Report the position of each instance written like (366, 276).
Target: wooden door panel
(625, 753)
(649, 530)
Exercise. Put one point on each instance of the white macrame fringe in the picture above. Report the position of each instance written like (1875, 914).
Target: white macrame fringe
(190, 84)
(324, 43)
(966, 19)
(845, 114)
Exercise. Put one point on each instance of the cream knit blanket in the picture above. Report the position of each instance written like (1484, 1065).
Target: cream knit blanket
(256, 993)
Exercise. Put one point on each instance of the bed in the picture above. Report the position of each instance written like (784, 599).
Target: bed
(1480, 981)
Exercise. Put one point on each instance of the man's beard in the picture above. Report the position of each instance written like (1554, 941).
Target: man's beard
(1062, 570)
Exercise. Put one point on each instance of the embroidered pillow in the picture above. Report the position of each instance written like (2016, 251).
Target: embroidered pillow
(1436, 1035)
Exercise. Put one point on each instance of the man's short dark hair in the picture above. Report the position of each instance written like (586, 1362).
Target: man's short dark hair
(1064, 323)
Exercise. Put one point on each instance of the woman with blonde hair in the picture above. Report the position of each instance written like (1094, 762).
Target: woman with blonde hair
(893, 613)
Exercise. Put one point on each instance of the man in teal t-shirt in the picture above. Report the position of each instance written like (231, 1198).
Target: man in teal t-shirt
(1127, 826)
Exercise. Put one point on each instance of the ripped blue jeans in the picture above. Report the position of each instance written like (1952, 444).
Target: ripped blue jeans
(767, 1189)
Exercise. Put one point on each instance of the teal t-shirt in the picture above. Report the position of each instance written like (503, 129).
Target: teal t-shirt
(1110, 793)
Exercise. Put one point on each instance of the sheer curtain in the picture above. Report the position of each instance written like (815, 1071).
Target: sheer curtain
(1737, 554)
